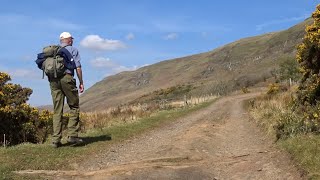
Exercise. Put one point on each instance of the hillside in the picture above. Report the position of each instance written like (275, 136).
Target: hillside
(235, 65)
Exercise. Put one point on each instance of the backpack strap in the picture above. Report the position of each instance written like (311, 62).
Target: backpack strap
(55, 54)
(69, 63)
(61, 47)
(54, 64)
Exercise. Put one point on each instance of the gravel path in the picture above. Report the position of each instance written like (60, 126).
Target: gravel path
(217, 142)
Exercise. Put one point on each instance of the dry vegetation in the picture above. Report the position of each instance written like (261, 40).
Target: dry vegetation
(274, 112)
(131, 113)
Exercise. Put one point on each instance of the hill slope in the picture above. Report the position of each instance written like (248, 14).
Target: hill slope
(234, 65)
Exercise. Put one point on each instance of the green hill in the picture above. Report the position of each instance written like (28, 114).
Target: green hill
(235, 65)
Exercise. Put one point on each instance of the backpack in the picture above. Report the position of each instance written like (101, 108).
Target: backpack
(53, 66)
(54, 60)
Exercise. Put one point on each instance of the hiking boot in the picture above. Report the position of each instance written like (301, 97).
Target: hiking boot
(56, 144)
(74, 140)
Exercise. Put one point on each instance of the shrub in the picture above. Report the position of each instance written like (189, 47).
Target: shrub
(20, 122)
(276, 114)
(308, 57)
(245, 90)
(289, 124)
(275, 88)
(289, 69)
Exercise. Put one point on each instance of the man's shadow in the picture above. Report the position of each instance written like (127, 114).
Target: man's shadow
(89, 140)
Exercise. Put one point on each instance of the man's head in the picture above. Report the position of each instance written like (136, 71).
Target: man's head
(66, 38)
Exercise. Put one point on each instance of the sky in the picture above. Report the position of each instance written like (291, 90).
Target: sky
(124, 35)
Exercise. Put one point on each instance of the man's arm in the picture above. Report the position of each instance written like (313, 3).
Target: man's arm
(79, 74)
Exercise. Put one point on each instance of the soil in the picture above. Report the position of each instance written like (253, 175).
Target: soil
(216, 142)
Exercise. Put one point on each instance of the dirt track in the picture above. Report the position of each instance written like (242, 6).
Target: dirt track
(217, 142)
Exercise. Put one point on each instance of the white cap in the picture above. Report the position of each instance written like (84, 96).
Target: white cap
(65, 35)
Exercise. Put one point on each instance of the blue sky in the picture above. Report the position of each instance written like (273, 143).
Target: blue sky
(114, 36)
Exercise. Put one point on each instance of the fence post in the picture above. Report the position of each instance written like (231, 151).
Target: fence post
(4, 140)
(290, 82)
(185, 100)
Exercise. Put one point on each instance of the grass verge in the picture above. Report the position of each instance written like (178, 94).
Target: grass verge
(303, 147)
(305, 150)
(44, 157)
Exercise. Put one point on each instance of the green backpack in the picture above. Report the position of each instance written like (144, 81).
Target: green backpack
(53, 66)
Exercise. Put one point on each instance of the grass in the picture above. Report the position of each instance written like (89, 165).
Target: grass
(304, 148)
(44, 157)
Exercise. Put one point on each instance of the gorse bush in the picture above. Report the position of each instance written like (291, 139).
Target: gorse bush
(19, 122)
(245, 90)
(275, 88)
(308, 57)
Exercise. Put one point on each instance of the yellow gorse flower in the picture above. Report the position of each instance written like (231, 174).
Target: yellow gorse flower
(315, 115)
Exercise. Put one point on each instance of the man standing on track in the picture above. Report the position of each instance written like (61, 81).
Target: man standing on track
(65, 86)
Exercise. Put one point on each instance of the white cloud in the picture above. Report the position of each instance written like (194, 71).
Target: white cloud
(111, 67)
(25, 74)
(144, 65)
(101, 62)
(171, 36)
(130, 36)
(281, 21)
(124, 68)
(96, 43)
(22, 74)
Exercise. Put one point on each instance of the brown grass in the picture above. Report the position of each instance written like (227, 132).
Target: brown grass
(131, 113)
(270, 111)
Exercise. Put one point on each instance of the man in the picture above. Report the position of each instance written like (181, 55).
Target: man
(66, 87)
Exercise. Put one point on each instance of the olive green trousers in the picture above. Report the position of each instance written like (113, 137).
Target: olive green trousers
(62, 88)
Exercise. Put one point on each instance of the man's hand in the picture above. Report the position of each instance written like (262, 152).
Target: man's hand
(81, 88)
(79, 74)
